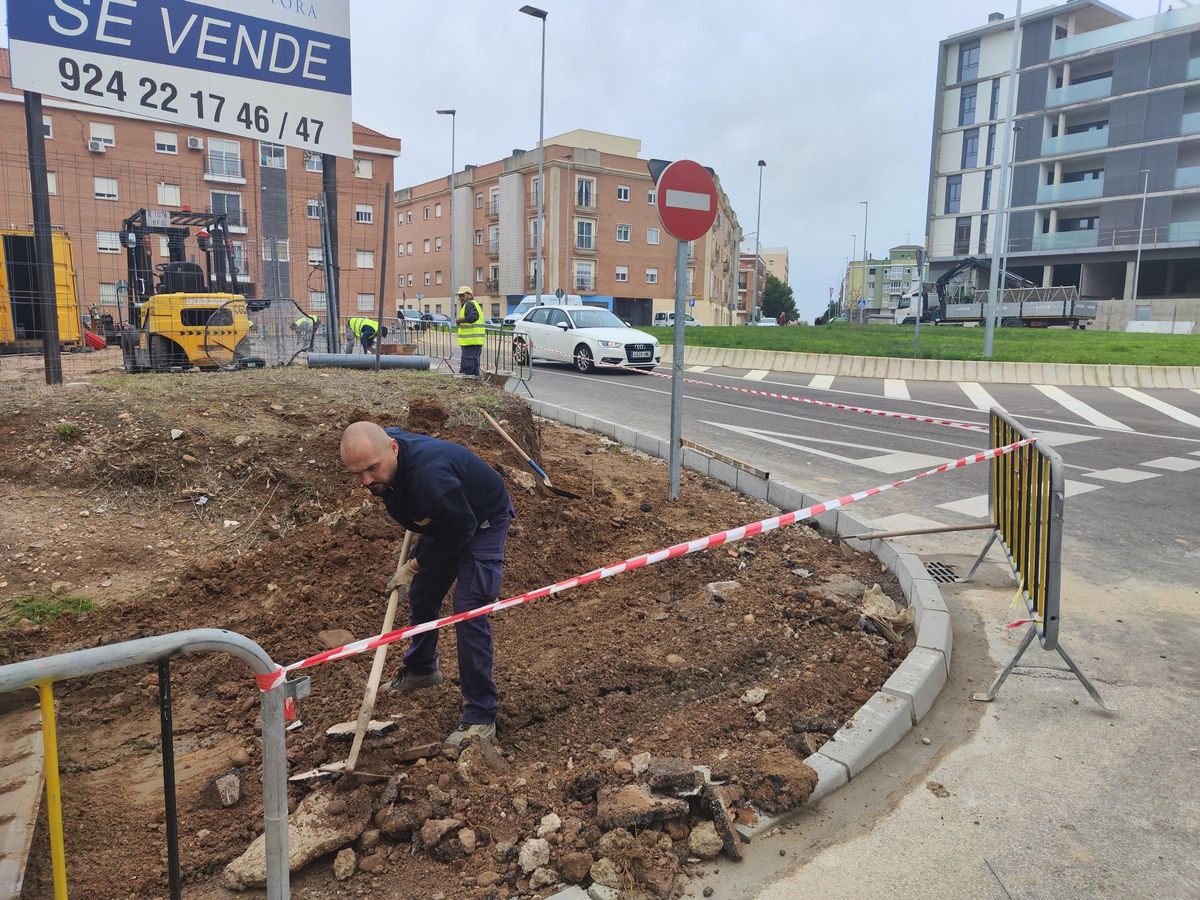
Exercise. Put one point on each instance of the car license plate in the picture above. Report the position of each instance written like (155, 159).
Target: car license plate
(640, 354)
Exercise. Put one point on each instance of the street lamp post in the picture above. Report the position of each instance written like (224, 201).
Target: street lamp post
(866, 210)
(1137, 265)
(539, 270)
(453, 123)
(754, 312)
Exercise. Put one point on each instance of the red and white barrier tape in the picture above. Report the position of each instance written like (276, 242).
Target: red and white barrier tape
(773, 395)
(268, 682)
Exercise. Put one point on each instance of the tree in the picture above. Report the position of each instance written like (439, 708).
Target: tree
(777, 298)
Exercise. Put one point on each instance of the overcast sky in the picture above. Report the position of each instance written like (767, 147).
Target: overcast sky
(836, 96)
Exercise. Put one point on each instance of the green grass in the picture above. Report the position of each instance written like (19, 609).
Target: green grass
(69, 432)
(43, 610)
(946, 342)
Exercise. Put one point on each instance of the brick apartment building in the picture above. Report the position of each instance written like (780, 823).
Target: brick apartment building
(603, 238)
(746, 290)
(105, 165)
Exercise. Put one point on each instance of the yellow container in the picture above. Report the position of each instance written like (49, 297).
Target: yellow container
(20, 315)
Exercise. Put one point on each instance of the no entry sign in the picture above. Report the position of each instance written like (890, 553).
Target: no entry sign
(687, 200)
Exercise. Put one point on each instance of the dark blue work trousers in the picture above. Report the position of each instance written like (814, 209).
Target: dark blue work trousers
(477, 573)
(469, 360)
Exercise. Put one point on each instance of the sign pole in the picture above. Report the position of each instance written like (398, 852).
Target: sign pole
(676, 454)
(43, 244)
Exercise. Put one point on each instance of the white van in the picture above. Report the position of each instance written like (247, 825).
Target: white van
(668, 318)
(531, 300)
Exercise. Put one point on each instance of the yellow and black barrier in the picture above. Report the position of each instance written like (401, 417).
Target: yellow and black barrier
(1026, 495)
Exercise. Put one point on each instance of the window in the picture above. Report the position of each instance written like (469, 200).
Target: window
(479, 274)
(479, 235)
(652, 235)
(962, 235)
(272, 156)
(364, 168)
(691, 279)
(164, 247)
(437, 210)
(966, 105)
(426, 245)
(229, 203)
(224, 158)
(166, 142)
(585, 192)
(313, 208)
(585, 234)
(968, 60)
(104, 133)
(238, 249)
(987, 191)
(437, 245)
(168, 194)
(623, 233)
(437, 277)
(493, 239)
(364, 213)
(535, 194)
(108, 242)
(652, 276)
(994, 106)
(585, 275)
(991, 146)
(316, 301)
(651, 197)
(622, 273)
(410, 279)
(479, 200)
(47, 128)
(105, 188)
(408, 248)
(400, 249)
(108, 293)
(408, 217)
(970, 149)
(52, 183)
(953, 193)
(279, 248)
(313, 161)
(425, 213)
(365, 302)
(426, 279)
(365, 259)
(983, 227)
(623, 193)
(495, 310)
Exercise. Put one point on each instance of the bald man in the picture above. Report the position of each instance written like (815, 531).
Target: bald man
(461, 510)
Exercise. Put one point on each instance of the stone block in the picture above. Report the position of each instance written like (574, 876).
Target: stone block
(786, 497)
(723, 472)
(936, 633)
(918, 679)
(695, 460)
(626, 436)
(876, 728)
(831, 775)
(751, 485)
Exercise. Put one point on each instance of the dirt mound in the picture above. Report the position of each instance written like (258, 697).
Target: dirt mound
(594, 684)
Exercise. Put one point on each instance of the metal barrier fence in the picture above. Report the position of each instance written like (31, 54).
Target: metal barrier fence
(1025, 502)
(44, 672)
(436, 340)
(276, 332)
(506, 356)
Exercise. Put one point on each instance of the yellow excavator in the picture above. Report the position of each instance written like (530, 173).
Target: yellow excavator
(181, 314)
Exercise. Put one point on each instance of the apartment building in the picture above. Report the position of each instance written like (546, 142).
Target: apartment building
(603, 239)
(881, 282)
(1106, 152)
(776, 261)
(105, 165)
(749, 292)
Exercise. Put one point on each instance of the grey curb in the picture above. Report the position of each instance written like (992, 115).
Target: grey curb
(912, 688)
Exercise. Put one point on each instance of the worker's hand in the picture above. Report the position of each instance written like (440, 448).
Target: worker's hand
(403, 576)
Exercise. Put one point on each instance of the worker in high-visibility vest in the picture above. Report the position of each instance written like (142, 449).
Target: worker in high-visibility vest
(365, 331)
(305, 327)
(471, 333)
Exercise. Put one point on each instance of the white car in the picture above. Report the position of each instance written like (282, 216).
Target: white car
(666, 319)
(587, 336)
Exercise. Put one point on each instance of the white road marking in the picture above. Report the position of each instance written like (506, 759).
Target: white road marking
(975, 507)
(821, 382)
(976, 393)
(1081, 409)
(889, 462)
(697, 369)
(1166, 409)
(756, 374)
(896, 389)
(1121, 476)
(1080, 487)
(1173, 464)
(1062, 439)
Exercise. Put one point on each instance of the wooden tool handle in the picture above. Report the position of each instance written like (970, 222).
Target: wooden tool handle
(504, 434)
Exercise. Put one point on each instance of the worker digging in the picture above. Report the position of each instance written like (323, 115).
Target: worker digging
(461, 510)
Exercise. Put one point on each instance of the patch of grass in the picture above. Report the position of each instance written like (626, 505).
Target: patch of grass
(950, 342)
(68, 431)
(44, 610)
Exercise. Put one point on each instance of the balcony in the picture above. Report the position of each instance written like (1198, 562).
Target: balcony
(223, 168)
(491, 286)
(1193, 69)
(1071, 190)
(1124, 31)
(1092, 139)
(1066, 240)
(585, 284)
(585, 244)
(493, 247)
(1183, 231)
(1187, 177)
(1078, 93)
(531, 242)
(493, 208)
(1189, 123)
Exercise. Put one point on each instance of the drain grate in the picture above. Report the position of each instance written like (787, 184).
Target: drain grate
(941, 572)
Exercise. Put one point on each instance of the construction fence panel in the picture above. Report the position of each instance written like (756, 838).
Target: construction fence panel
(436, 340)
(506, 356)
(1025, 503)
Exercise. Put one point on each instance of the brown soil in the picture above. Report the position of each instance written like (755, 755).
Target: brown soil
(285, 547)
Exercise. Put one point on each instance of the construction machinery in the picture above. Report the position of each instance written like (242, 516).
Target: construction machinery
(21, 325)
(181, 314)
(959, 297)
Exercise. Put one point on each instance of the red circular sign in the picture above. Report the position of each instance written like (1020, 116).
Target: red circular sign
(687, 200)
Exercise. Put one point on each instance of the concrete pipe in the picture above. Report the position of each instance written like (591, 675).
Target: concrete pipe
(365, 361)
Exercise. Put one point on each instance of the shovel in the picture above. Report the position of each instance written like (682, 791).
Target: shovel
(525, 456)
(368, 704)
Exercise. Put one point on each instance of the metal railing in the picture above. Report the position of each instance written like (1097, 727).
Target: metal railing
(222, 166)
(1112, 238)
(507, 355)
(584, 284)
(436, 340)
(493, 207)
(42, 673)
(493, 247)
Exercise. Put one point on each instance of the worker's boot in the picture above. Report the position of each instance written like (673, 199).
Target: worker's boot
(406, 682)
(464, 732)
